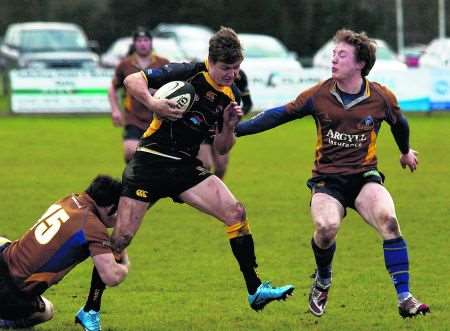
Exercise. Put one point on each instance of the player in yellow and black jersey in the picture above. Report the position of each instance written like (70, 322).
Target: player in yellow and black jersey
(181, 138)
(165, 163)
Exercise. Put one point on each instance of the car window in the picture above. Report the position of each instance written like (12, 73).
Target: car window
(384, 53)
(52, 40)
(193, 33)
(12, 38)
(266, 47)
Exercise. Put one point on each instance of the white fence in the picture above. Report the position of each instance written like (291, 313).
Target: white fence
(85, 91)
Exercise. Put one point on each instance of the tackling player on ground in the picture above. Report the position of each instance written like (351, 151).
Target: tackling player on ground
(348, 111)
(71, 230)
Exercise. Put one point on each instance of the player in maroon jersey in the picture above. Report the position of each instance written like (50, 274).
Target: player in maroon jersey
(71, 230)
(136, 116)
(348, 110)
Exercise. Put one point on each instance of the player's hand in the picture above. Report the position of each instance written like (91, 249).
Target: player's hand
(122, 257)
(166, 109)
(409, 160)
(232, 114)
(116, 116)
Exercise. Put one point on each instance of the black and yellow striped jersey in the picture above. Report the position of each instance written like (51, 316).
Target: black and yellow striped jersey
(182, 138)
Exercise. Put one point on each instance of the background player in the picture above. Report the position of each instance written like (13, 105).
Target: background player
(211, 159)
(71, 230)
(348, 111)
(136, 116)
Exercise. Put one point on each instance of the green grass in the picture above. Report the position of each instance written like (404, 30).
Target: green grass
(183, 275)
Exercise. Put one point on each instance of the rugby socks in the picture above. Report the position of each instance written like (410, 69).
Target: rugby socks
(241, 242)
(94, 299)
(397, 264)
(323, 257)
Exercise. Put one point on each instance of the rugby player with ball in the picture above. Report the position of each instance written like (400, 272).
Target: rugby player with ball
(165, 163)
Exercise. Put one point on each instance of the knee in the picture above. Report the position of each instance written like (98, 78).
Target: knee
(326, 234)
(236, 214)
(389, 226)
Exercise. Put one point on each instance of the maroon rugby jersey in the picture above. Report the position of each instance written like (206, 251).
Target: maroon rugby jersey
(67, 234)
(346, 134)
(135, 112)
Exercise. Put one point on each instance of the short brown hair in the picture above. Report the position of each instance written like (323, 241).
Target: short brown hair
(225, 46)
(365, 48)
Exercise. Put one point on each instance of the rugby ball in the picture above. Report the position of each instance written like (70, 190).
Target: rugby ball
(183, 93)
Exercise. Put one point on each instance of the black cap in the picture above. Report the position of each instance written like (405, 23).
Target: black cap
(141, 32)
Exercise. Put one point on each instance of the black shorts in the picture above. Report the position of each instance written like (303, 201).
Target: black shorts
(13, 303)
(149, 177)
(344, 188)
(132, 132)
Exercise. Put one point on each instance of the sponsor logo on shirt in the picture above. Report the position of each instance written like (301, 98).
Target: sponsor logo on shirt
(142, 193)
(210, 95)
(366, 124)
(345, 140)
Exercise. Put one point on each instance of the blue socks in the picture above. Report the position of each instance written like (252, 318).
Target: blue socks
(395, 258)
(397, 264)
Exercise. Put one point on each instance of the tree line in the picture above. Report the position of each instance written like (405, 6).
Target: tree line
(303, 25)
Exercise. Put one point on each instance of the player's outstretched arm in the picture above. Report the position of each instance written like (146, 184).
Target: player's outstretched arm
(111, 272)
(265, 120)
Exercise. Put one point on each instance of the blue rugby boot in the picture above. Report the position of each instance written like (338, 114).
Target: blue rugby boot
(90, 321)
(265, 293)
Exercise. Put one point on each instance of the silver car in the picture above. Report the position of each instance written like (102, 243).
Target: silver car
(192, 39)
(166, 47)
(46, 45)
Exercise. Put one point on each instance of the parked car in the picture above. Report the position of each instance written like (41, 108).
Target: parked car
(437, 54)
(116, 52)
(192, 39)
(386, 57)
(411, 55)
(46, 45)
(268, 61)
(169, 48)
(166, 47)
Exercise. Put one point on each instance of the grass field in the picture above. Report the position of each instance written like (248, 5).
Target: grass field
(183, 275)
